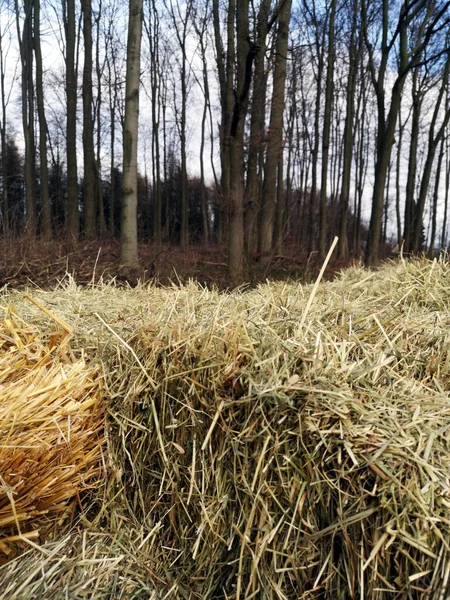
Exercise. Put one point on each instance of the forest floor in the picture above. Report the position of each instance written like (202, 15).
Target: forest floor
(43, 264)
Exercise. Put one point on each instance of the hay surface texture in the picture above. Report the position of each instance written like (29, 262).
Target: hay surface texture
(51, 431)
(280, 443)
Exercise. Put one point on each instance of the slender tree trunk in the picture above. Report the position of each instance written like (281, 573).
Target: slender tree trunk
(436, 196)
(417, 95)
(25, 39)
(275, 134)
(253, 190)
(201, 34)
(72, 219)
(397, 180)
(447, 191)
(112, 100)
(225, 70)
(329, 92)
(129, 259)
(280, 211)
(348, 138)
(237, 265)
(98, 163)
(88, 126)
(312, 242)
(5, 203)
(45, 198)
(153, 31)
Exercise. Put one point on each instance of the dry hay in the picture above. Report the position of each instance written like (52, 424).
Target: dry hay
(283, 442)
(51, 431)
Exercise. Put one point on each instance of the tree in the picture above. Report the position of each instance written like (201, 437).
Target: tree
(4, 95)
(88, 127)
(72, 221)
(129, 260)
(181, 23)
(153, 30)
(434, 138)
(274, 154)
(256, 146)
(43, 163)
(329, 89)
(354, 55)
(429, 17)
(25, 39)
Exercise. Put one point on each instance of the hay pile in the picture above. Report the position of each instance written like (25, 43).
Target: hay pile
(51, 431)
(278, 443)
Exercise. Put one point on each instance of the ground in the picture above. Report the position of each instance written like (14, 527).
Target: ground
(45, 264)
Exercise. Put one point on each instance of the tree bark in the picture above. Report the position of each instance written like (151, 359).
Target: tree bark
(5, 202)
(129, 259)
(252, 200)
(355, 49)
(25, 39)
(329, 89)
(88, 127)
(417, 100)
(275, 134)
(72, 219)
(45, 197)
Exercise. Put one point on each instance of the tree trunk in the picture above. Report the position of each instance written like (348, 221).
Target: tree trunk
(45, 198)
(129, 259)
(100, 209)
(72, 219)
(252, 201)
(397, 180)
(237, 266)
(5, 203)
(436, 196)
(348, 137)
(329, 89)
(26, 57)
(417, 96)
(88, 127)
(275, 134)
(447, 191)
(225, 70)
(280, 212)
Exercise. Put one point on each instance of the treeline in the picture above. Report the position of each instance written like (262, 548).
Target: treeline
(202, 232)
(260, 122)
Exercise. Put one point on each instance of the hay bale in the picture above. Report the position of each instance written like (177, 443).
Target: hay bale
(292, 457)
(283, 442)
(51, 431)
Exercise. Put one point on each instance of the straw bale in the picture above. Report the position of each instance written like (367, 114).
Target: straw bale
(51, 431)
(288, 441)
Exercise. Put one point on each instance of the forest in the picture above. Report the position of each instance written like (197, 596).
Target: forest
(217, 382)
(265, 127)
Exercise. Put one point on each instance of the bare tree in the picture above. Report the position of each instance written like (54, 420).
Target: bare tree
(429, 17)
(181, 22)
(129, 259)
(43, 163)
(72, 220)
(275, 134)
(25, 39)
(88, 126)
(354, 55)
(329, 91)
(5, 43)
